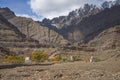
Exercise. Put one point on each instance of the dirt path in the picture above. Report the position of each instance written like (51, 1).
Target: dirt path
(9, 66)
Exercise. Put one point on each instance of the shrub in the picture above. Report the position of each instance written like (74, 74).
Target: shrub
(97, 60)
(56, 58)
(76, 58)
(39, 56)
(87, 59)
(1, 60)
(14, 59)
(64, 59)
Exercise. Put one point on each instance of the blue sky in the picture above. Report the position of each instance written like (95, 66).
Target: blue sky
(38, 9)
(20, 8)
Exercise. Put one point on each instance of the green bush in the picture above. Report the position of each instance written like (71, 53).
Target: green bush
(65, 59)
(14, 59)
(39, 56)
(97, 59)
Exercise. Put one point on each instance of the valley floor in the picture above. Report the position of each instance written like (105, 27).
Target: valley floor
(80, 70)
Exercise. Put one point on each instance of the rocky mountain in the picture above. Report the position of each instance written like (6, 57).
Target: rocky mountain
(37, 31)
(66, 25)
(9, 32)
(90, 33)
(33, 29)
(12, 39)
(82, 25)
(7, 13)
(62, 22)
(109, 4)
(91, 26)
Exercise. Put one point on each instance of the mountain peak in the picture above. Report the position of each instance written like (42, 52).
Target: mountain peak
(7, 13)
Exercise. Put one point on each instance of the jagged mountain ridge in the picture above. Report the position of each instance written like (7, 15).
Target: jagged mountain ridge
(65, 24)
(90, 26)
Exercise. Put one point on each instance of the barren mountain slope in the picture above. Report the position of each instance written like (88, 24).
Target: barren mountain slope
(108, 39)
(33, 29)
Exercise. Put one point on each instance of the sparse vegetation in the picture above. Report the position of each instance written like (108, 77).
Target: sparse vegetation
(98, 59)
(14, 59)
(56, 58)
(1, 60)
(76, 58)
(39, 56)
(65, 59)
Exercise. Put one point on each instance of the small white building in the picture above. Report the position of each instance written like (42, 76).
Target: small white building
(27, 60)
(91, 59)
(71, 58)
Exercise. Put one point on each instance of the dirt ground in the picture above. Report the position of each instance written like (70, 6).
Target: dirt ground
(80, 70)
(108, 68)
